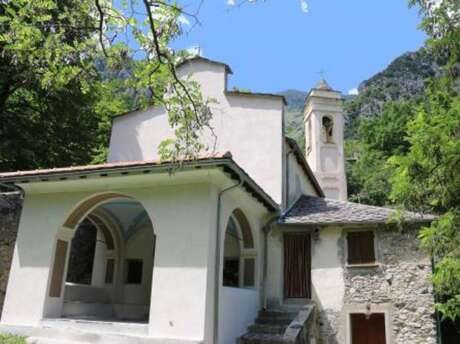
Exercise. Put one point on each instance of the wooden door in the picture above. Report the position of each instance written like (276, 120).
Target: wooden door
(368, 330)
(297, 265)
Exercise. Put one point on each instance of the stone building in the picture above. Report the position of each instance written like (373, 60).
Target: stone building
(252, 243)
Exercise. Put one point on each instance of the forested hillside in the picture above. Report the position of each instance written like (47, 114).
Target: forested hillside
(403, 79)
(376, 121)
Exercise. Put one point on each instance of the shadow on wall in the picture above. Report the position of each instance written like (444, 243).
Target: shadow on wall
(10, 212)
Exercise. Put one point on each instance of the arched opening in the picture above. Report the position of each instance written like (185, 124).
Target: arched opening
(103, 265)
(239, 253)
(328, 129)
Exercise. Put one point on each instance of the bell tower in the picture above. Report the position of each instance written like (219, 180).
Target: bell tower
(324, 123)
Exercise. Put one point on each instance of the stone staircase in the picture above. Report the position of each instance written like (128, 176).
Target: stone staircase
(283, 325)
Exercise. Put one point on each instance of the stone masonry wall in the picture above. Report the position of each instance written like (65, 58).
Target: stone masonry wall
(10, 211)
(402, 281)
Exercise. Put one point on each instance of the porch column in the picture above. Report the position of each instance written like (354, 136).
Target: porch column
(100, 261)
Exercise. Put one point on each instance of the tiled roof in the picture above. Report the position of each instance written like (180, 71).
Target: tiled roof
(310, 210)
(101, 167)
(223, 161)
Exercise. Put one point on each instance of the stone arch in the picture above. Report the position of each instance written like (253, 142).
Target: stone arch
(115, 263)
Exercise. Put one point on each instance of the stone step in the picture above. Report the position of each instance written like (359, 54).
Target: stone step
(261, 338)
(273, 321)
(267, 328)
(278, 313)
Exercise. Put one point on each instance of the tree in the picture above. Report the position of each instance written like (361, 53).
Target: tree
(378, 139)
(50, 54)
(427, 178)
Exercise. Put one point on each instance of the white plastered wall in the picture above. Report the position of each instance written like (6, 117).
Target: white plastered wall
(239, 306)
(250, 127)
(183, 216)
(298, 183)
(326, 267)
(179, 293)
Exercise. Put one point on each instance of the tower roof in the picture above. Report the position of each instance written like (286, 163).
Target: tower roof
(323, 85)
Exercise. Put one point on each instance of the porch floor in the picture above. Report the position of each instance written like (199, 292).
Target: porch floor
(97, 325)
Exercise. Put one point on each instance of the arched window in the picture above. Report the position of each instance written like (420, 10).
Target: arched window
(327, 129)
(239, 253)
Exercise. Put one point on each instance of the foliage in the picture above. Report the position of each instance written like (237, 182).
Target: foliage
(427, 179)
(11, 339)
(57, 85)
(379, 138)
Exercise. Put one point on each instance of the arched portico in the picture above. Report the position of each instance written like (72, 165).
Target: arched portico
(103, 261)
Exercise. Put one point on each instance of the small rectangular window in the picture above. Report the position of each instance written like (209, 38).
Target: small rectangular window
(133, 271)
(249, 272)
(361, 249)
(231, 272)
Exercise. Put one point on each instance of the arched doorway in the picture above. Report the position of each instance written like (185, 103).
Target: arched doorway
(104, 264)
(239, 266)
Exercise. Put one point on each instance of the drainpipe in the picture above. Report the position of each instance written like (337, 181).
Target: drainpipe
(217, 263)
(267, 228)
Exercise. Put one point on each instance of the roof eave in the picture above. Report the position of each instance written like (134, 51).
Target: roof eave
(230, 167)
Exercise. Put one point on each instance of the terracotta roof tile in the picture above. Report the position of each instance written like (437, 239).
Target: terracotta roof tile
(106, 166)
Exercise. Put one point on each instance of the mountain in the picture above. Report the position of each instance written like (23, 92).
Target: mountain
(403, 79)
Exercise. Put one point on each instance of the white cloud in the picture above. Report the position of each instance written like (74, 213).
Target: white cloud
(353, 92)
(304, 6)
(183, 20)
(231, 2)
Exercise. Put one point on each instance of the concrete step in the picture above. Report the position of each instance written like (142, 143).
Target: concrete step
(95, 326)
(44, 340)
(267, 328)
(278, 313)
(273, 321)
(76, 308)
(261, 338)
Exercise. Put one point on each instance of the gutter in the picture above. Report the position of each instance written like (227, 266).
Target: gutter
(217, 262)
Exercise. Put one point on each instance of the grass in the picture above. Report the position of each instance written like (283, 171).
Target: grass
(11, 339)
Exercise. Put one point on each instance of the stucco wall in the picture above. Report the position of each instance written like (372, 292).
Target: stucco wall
(140, 246)
(239, 308)
(184, 218)
(179, 297)
(399, 286)
(298, 182)
(250, 127)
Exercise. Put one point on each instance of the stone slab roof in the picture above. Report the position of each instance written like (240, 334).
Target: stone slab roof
(310, 210)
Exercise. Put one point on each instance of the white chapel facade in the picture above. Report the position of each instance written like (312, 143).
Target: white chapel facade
(253, 242)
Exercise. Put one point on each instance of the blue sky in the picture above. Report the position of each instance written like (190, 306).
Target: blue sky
(273, 46)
